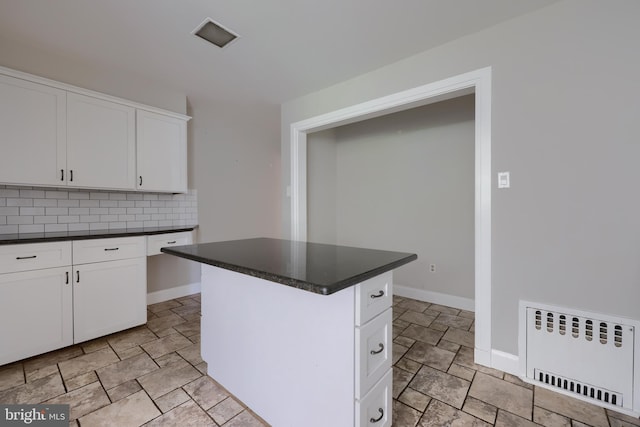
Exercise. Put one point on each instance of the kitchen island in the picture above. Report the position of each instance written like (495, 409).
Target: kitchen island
(300, 332)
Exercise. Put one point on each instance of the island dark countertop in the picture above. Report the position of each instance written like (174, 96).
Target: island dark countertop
(61, 236)
(314, 267)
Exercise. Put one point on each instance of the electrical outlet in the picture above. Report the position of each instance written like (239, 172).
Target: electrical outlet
(432, 268)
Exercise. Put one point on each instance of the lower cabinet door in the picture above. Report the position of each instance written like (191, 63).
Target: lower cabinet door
(374, 410)
(35, 312)
(108, 297)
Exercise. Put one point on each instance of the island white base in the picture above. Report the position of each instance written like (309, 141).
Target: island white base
(297, 358)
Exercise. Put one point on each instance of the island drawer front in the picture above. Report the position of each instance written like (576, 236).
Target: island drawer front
(373, 296)
(101, 250)
(34, 256)
(374, 410)
(159, 241)
(373, 352)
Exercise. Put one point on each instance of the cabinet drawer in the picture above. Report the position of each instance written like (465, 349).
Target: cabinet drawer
(373, 352)
(158, 241)
(375, 409)
(34, 256)
(100, 250)
(373, 296)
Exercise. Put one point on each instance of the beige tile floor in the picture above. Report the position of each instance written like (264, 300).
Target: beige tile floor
(153, 375)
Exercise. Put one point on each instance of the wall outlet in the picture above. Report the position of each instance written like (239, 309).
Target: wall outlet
(432, 268)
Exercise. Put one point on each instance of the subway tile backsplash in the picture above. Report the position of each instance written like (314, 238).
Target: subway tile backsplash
(37, 210)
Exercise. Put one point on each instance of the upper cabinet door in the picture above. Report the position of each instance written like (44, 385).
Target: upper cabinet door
(32, 133)
(100, 143)
(161, 153)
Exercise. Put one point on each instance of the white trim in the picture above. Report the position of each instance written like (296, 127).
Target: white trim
(172, 293)
(505, 362)
(478, 81)
(434, 297)
(482, 357)
(75, 89)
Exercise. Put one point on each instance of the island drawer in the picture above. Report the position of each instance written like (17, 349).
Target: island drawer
(373, 296)
(373, 352)
(34, 256)
(101, 250)
(159, 241)
(375, 408)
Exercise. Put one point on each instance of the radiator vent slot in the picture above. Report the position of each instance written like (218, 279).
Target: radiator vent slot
(585, 354)
(576, 387)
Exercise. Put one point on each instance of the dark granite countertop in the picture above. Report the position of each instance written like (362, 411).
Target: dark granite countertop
(314, 267)
(12, 239)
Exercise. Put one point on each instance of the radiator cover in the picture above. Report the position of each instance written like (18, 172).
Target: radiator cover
(587, 355)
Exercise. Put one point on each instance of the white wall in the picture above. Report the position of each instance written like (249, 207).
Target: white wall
(236, 153)
(322, 186)
(564, 123)
(401, 182)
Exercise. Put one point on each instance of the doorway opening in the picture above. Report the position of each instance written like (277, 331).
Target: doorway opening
(477, 82)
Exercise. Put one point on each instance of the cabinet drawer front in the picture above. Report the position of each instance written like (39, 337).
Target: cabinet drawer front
(375, 409)
(158, 241)
(100, 250)
(34, 256)
(373, 296)
(373, 352)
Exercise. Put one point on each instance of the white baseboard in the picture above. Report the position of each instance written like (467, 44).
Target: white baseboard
(482, 357)
(506, 362)
(171, 293)
(435, 297)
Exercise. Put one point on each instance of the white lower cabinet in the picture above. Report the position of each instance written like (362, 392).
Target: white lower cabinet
(48, 302)
(109, 286)
(373, 347)
(373, 351)
(35, 312)
(108, 297)
(375, 408)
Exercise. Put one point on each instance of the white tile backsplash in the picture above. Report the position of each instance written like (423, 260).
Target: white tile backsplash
(31, 228)
(31, 209)
(8, 229)
(48, 203)
(20, 220)
(12, 210)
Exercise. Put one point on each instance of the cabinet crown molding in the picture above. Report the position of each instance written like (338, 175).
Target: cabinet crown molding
(75, 89)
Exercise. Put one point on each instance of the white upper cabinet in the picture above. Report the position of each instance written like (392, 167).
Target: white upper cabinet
(57, 135)
(161, 152)
(100, 143)
(32, 133)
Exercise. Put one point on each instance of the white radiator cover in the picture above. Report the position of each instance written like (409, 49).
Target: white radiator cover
(587, 355)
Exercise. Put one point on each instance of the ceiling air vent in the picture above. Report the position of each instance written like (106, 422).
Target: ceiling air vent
(214, 33)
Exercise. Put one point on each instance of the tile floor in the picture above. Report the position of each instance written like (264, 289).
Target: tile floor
(153, 375)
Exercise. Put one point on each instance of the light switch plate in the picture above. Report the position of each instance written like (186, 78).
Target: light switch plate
(503, 180)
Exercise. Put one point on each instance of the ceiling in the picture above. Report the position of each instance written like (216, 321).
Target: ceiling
(287, 48)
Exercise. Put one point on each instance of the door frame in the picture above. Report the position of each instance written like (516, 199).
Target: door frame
(478, 82)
